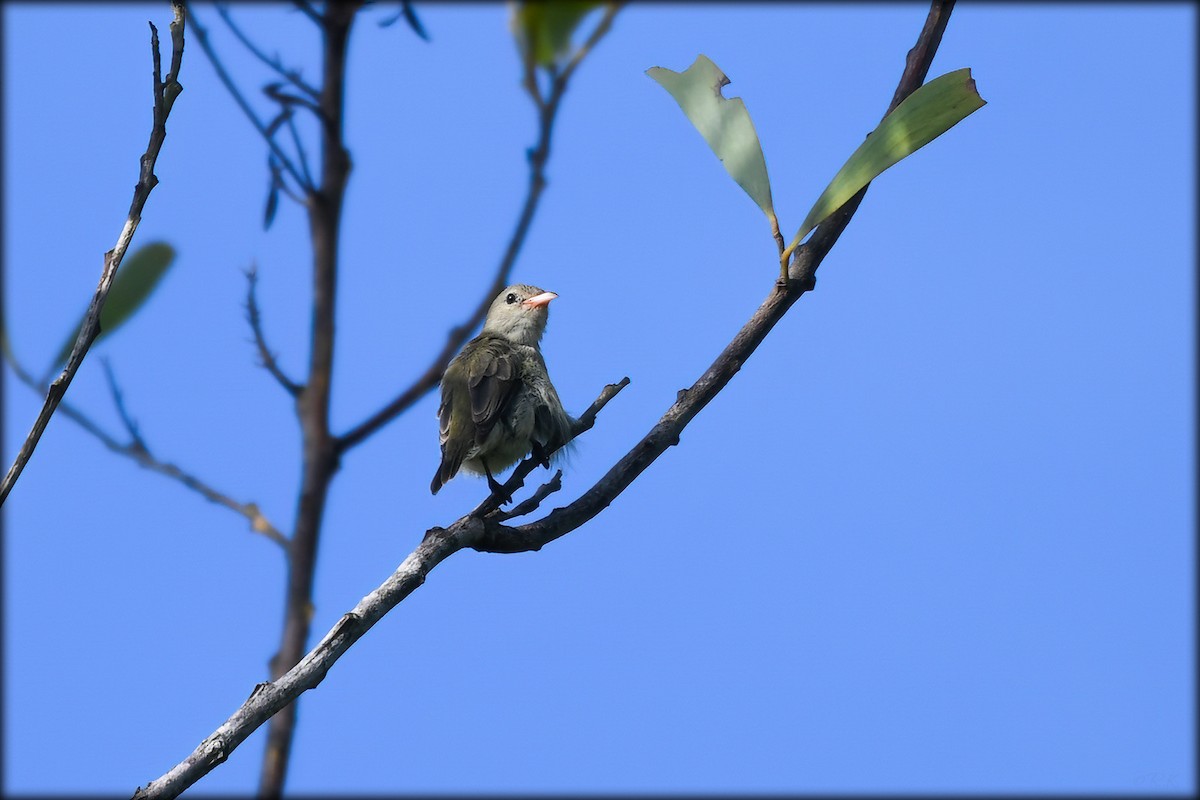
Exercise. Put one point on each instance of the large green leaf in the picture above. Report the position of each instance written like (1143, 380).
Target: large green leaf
(139, 274)
(723, 122)
(924, 115)
(544, 29)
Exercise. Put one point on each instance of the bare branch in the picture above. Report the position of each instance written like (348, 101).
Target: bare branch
(283, 158)
(310, 12)
(137, 450)
(300, 151)
(130, 424)
(267, 700)
(290, 75)
(165, 93)
(265, 356)
(538, 157)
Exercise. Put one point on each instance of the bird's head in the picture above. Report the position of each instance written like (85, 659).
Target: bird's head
(519, 314)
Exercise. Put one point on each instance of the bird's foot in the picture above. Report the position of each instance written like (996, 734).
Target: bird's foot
(498, 489)
(540, 456)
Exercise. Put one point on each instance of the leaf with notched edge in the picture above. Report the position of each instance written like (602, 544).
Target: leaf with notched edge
(723, 122)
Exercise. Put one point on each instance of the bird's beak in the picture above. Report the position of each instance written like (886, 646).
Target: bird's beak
(539, 299)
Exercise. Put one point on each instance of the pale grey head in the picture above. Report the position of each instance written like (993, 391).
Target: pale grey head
(519, 314)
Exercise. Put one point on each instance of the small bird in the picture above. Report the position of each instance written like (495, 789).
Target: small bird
(498, 403)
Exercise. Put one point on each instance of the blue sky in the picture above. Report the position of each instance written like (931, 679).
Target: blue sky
(937, 535)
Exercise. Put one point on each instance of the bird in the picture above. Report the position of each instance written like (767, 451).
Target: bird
(497, 401)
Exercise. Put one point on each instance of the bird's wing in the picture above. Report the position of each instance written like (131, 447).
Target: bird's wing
(453, 451)
(492, 380)
(495, 377)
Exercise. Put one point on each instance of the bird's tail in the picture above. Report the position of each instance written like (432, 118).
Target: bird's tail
(452, 458)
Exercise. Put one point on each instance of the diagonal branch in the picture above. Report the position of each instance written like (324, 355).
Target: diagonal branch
(538, 157)
(801, 279)
(268, 699)
(480, 533)
(310, 12)
(291, 76)
(283, 158)
(266, 357)
(165, 93)
(135, 437)
(137, 450)
(300, 151)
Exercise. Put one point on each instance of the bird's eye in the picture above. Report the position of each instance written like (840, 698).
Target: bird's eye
(512, 298)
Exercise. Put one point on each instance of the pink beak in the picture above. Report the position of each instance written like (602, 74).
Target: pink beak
(539, 299)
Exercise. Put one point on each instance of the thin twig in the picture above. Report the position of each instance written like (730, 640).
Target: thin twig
(598, 33)
(538, 158)
(279, 183)
(265, 356)
(284, 160)
(291, 76)
(165, 92)
(517, 480)
(300, 151)
(135, 437)
(137, 450)
(310, 12)
(533, 502)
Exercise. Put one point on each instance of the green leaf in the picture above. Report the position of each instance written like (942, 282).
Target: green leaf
(138, 275)
(544, 29)
(723, 122)
(924, 115)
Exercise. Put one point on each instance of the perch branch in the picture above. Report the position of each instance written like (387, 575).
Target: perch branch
(165, 93)
(268, 699)
(522, 470)
(480, 533)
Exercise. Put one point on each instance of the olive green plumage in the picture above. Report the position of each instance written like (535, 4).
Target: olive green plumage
(498, 403)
